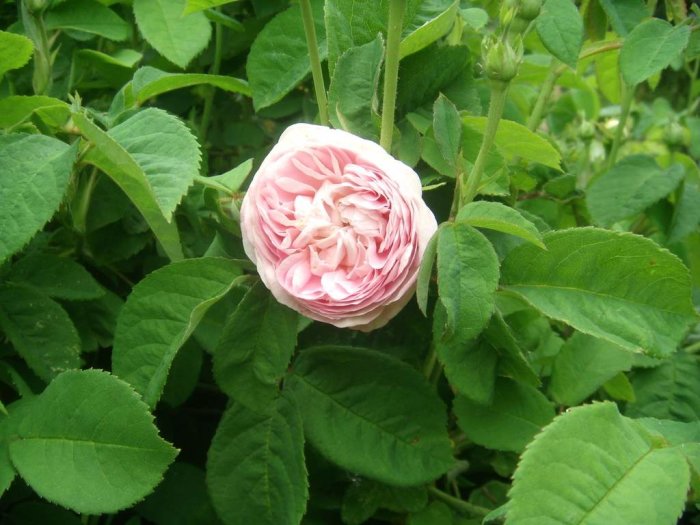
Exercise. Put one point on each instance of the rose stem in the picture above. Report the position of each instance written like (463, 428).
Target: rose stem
(499, 90)
(316, 71)
(209, 95)
(536, 116)
(627, 96)
(391, 71)
(459, 504)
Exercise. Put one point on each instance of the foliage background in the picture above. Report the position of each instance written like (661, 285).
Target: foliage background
(547, 373)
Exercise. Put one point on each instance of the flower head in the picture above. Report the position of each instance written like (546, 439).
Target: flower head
(336, 227)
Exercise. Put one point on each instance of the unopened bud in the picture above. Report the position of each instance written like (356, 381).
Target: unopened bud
(529, 9)
(674, 134)
(502, 59)
(586, 130)
(36, 6)
(507, 14)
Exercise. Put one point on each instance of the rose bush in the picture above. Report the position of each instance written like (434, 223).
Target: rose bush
(336, 226)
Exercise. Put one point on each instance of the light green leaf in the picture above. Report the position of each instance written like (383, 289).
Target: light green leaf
(177, 36)
(425, 273)
(560, 28)
(200, 5)
(617, 286)
(255, 468)
(467, 269)
(40, 330)
(15, 51)
(112, 158)
(499, 217)
(34, 175)
(684, 436)
(590, 466)
(510, 421)
(353, 88)
(123, 58)
(150, 82)
(651, 47)
(166, 151)
(475, 17)
(624, 15)
(447, 130)
(18, 108)
(583, 365)
(88, 16)
(233, 179)
(629, 187)
(371, 414)
(515, 140)
(279, 57)
(432, 21)
(668, 391)
(74, 449)
(159, 316)
(255, 348)
(57, 277)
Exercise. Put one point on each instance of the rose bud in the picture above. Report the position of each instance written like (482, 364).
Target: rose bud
(336, 227)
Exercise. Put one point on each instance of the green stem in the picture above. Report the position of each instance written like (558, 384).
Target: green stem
(695, 72)
(545, 91)
(83, 204)
(499, 90)
(316, 71)
(430, 363)
(627, 96)
(391, 71)
(209, 96)
(458, 504)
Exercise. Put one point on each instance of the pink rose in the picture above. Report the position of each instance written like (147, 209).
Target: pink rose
(336, 226)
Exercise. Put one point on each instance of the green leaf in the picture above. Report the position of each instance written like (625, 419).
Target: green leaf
(57, 277)
(560, 28)
(510, 421)
(371, 414)
(34, 175)
(200, 5)
(629, 187)
(122, 167)
(255, 348)
(279, 57)
(437, 513)
(352, 93)
(159, 316)
(88, 16)
(122, 58)
(166, 151)
(177, 36)
(617, 286)
(150, 82)
(40, 330)
(425, 274)
(499, 217)
(470, 365)
(684, 436)
(515, 140)
(432, 21)
(624, 15)
(668, 391)
(447, 130)
(686, 214)
(364, 497)
(512, 361)
(74, 449)
(8, 433)
(15, 51)
(583, 365)
(608, 470)
(181, 499)
(18, 108)
(467, 269)
(255, 467)
(651, 47)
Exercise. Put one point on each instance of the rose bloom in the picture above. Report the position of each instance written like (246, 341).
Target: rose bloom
(336, 227)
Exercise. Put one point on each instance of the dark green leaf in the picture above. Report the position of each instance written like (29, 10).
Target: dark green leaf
(447, 129)
(625, 15)
(150, 82)
(89, 16)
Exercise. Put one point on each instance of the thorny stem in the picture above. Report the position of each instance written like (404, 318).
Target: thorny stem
(209, 97)
(316, 71)
(499, 89)
(627, 96)
(391, 71)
